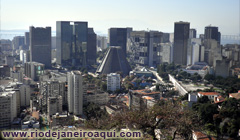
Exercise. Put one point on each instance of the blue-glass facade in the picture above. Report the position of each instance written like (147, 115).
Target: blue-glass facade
(71, 43)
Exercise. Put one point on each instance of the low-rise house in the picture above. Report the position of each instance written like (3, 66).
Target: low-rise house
(210, 95)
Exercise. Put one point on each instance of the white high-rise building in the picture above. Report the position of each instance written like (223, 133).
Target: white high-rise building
(75, 92)
(165, 52)
(8, 108)
(22, 56)
(113, 81)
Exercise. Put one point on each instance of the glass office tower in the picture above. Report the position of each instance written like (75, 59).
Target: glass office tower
(71, 43)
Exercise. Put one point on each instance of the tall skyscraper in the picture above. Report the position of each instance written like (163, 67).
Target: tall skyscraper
(181, 36)
(192, 33)
(212, 32)
(75, 92)
(71, 43)
(91, 47)
(26, 40)
(17, 42)
(40, 45)
(118, 37)
(144, 46)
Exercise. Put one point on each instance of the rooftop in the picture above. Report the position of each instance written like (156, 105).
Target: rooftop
(235, 95)
(208, 93)
(145, 92)
(147, 97)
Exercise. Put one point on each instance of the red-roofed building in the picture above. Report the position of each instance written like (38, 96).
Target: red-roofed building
(144, 98)
(210, 95)
(219, 99)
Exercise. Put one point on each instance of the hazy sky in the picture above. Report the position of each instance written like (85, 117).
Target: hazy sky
(139, 14)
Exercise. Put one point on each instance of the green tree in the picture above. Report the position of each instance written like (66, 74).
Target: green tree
(104, 86)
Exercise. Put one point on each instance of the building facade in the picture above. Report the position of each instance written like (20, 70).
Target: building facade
(144, 47)
(71, 41)
(212, 32)
(52, 88)
(54, 105)
(75, 92)
(181, 36)
(8, 108)
(118, 37)
(25, 95)
(40, 45)
(192, 33)
(91, 47)
(34, 70)
(113, 81)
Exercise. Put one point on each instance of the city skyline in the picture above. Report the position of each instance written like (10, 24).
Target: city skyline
(141, 15)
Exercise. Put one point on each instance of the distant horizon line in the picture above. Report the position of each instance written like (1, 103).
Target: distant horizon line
(97, 32)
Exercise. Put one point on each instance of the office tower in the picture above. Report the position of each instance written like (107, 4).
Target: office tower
(40, 45)
(72, 43)
(54, 40)
(113, 81)
(114, 61)
(118, 37)
(17, 42)
(33, 70)
(154, 44)
(144, 47)
(24, 95)
(26, 40)
(192, 33)
(8, 108)
(91, 47)
(75, 92)
(212, 32)
(181, 36)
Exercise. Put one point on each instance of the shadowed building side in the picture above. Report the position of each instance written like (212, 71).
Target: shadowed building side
(114, 61)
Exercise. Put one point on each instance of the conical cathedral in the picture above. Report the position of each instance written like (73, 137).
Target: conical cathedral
(114, 61)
